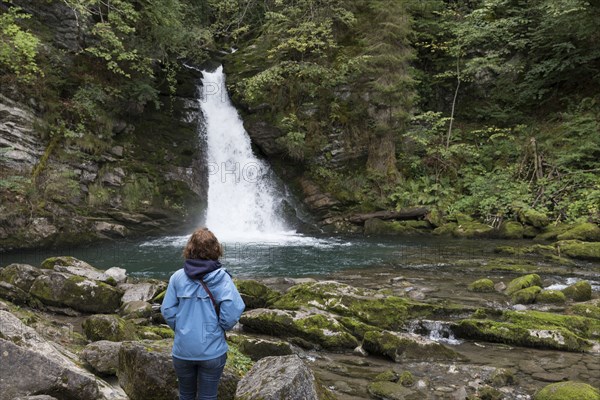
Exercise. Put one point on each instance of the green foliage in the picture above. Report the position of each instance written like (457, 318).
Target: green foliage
(18, 47)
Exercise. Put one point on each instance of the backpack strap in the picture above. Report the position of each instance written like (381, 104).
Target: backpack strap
(217, 309)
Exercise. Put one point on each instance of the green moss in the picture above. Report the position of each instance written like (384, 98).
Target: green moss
(523, 282)
(357, 328)
(160, 332)
(534, 218)
(63, 261)
(586, 310)
(579, 250)
(490, 393)
(579, 291)
(526, 296)
(586, 231)
(473, 230)
(256, 294)
(511, 230)
(406, 379)
(401, 347)
(387, 376)
(513, 334)
(551, 232)
(237, 361)
(551, 297)
(159, 297)
(108, 327)
(446, 229)
(540, 249)
(503, 377)
(581, 326)
(568, 391)
(392, 391)
(482, 285)
(375, 226)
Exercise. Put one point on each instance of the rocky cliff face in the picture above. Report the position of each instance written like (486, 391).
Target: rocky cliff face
(145, 178)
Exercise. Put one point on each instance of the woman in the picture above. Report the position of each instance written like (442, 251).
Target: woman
(201, 303)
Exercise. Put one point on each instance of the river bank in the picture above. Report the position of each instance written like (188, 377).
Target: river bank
(403, 331)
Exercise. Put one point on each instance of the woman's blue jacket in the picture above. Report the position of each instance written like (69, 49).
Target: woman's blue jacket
(189, 311)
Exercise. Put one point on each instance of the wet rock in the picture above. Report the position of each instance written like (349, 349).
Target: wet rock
(14, 294)
(256, 294)
(135, 309)
(316, 200)
(589, 309)
(288, 379)
(102, 356)
(549, 376)
(482, 285)
(30, 365)
(586, 231)
(313, 325)
(551, 232)
(500, 287)
(400, 347)
(406, 379)
(580, 291)
(568, 390)
(579, 250)
(523, 282)
(61, 289)
(108, 327)
(551, 297)
(387, 376)
(526, 296)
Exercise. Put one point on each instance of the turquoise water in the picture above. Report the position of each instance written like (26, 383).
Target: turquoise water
(292, 256)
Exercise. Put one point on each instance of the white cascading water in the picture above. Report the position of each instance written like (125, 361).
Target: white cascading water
(243, 203)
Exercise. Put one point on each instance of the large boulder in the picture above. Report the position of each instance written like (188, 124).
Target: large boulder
(74, 266)
(20, 275)
(146, 372)
(82, 294)
(400, 347)
(523, 282)
(143, 291)
(102, 356)
(586, 231)
(136, 309)
(365, 305)
(31, 365)
(568, 391)
(579, 250)
(257, 348)
(108, 327)
(579, 291)
(256, 294)
(315, 326)
(280, 378)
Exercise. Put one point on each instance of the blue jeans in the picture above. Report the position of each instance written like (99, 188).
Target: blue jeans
(199, 378)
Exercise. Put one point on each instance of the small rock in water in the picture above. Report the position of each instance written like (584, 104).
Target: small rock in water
(500, 286)
(549, 377)
(421, 384)
(359, 351)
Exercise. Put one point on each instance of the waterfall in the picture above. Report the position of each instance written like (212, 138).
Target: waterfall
(243, 202)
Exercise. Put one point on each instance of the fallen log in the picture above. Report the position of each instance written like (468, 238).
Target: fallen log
(404, 214)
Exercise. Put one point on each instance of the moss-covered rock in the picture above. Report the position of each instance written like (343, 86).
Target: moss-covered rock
(482, 285)
(392, 391)
(586, 310)
(568, 391)
(533, 217)
(579, 250)
(525, 296)
(445, 229)
(579, 291)
(473, 230)
(376, 226)
(523, 282)
(20, 275)
(108, 327)
(256, 348)
(510, 230)
(586, 231)
(64, 290)
(159, 297)
(533, 329)
(357, 328)
(256, 294)
(404, 346)
(155, 332)
(135, 309)
(387, 376)
(551, 297)
(551, 232)
(313, 325)
(406, 379)
(367, 306)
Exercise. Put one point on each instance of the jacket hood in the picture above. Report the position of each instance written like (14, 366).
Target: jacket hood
(198, 268)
